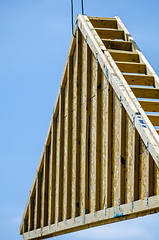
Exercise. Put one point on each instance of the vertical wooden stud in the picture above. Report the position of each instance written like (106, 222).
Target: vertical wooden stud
(120, 126)
(37, 220)
(51, 192)
(58, 162)
(147, 170)
(107, 124)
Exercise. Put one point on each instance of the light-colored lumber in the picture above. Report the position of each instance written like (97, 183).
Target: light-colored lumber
(110, 34)
(65, 136)
(116, 151)
(69, 139)
(149, 106)
(154, 118)
(124, 56)
(37, 217)
(117, 45)
(142, 171)
(83, 117)
(145, 92)
(140, 208)
(103, 22)
(74, 128)
(139, 79)
(131, 67)
(61, 157)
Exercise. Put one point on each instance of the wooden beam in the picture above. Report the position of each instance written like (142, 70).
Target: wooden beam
(154, 119)
(124, 56)
(110, 34)
(37, 212)
(58, 161)
(138, 79)
(149, 106)
(119, 156)
(131, 67)
(78, 126)
(85, 142)
(103, 22)
(145, 92)
(117, 45)
(74, 129)
(44, 195)
(116, 151)
(140, 209)
(107, 139)
(52, 175)
(143, 171)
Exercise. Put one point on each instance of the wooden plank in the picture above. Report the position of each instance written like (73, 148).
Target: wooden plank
(124, 56)
(61, 155)
(142, 171)
(69, 138)
(131, 67)
(88, 134)
(74, 129)
(154, 119)
(117, 45)
(102, 139)
(41, 178)
(123, 158)
(136, 166)
(103, 22)
(26, 221)
(83, 117)
(115, 150)
(85, 140)
(58, 162)
(110, 147)
(65, 136)
(144, 92)
(156, 179)
(110, 34)
(78, 126)
(151, 182)
(149, 106)
(139, 79)
(96, 155)
(37, 212)
(105, 128)
(92, 148)
(52, 174)
(87, 131)
(120, 196)
(44, 192)
(133, 160)
(49, 178)
(140, 209)
(30, 218)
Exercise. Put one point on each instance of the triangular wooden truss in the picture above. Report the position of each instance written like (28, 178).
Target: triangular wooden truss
(100, 162)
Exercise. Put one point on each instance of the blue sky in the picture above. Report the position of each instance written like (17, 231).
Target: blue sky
(34, 40)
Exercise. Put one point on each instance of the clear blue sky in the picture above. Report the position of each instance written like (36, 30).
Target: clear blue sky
(34, 40)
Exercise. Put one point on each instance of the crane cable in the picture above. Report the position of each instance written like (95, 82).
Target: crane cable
(82, 6)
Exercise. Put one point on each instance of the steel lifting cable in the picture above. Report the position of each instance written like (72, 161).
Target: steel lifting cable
(82, 6)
